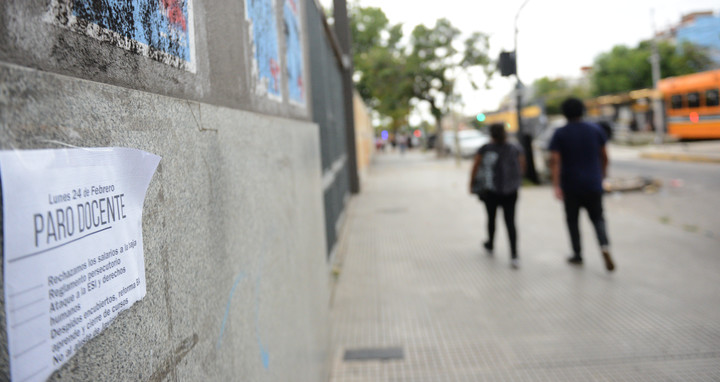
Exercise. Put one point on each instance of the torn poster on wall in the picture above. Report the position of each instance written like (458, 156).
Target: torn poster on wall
(159, 29)
(73, 249)
(261, 15)
(294, 53)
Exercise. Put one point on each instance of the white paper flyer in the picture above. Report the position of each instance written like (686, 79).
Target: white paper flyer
(73, 248)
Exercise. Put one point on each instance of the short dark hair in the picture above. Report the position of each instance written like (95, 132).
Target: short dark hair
(498, 133)
(573, 108)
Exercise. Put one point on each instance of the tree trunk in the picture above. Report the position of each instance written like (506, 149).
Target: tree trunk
(439, 144)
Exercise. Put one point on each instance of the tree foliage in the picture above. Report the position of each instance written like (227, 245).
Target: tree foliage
(553, 91)
(434, 63)
(379, 63)
(391, 71)
(624, 69)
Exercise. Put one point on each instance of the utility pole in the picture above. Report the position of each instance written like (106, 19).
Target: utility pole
(342, 31)
(658, 120)
(524, 135)
(439, 138)
(456, 129)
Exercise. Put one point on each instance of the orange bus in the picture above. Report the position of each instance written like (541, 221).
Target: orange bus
(692, 106)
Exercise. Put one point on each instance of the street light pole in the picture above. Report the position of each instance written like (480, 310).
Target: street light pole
(658, 119)
(525, 136)
(516, 20)
(342, 30)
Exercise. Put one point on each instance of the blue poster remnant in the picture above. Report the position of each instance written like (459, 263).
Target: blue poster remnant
(160, 29)
(294, 54)
(261, 17)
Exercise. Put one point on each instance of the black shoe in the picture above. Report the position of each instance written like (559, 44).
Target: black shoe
(488, 247)
(575, 260)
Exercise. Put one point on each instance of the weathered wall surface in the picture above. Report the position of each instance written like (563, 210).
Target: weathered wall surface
(34, 35)
(235, 251)
(364, 134)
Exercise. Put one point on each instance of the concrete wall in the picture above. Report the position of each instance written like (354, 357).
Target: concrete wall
(233, 219)
(364, 134)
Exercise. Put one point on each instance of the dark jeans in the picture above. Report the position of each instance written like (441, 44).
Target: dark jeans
(592, 202)
(507, 202)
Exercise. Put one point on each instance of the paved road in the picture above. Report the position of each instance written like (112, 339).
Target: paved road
(414, 277)
(687, 198)
(702, 175)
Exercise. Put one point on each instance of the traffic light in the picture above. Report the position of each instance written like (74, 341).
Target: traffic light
(506, 64)
(481, 117)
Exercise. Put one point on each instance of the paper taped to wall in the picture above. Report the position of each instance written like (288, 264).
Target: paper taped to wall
(73, 248)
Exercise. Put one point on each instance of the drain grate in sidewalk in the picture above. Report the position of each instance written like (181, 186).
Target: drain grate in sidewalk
(372, 354)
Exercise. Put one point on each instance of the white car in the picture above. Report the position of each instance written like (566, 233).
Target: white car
(541, 151)
(469, 141)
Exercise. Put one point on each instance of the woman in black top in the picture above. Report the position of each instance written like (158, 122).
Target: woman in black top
(496, 176)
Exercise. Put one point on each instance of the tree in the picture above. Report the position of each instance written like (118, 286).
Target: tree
(624, 69)
(434, 64)
(552, 92)
(390, 74)
(380, 76)
(687, 58)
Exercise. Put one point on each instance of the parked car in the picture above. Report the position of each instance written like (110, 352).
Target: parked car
(469, 141)
(541, 152)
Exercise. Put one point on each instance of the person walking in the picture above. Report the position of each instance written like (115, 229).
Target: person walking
(402, 141)
(578, 164)
(496, 176)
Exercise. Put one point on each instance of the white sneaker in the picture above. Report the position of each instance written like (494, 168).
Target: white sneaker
(515, 263)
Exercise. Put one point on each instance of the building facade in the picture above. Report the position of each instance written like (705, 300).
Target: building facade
(235, 219)
(699, 28)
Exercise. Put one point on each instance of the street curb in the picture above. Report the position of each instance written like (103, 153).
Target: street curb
(681, 157)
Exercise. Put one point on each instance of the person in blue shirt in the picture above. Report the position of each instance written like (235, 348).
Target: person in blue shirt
(578, 164)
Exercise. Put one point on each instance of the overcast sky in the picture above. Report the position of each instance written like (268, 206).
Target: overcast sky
(556, 37)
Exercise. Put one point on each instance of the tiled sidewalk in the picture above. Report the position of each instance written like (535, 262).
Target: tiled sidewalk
(414, 276)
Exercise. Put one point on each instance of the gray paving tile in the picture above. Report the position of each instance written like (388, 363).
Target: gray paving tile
(414, 275)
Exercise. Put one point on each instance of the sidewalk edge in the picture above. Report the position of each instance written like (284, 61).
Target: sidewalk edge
(681, 157)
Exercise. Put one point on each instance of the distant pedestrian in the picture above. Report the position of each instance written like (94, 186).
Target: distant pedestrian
(579, 163)
(496, 176)
(379, 144)
(402, 141)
